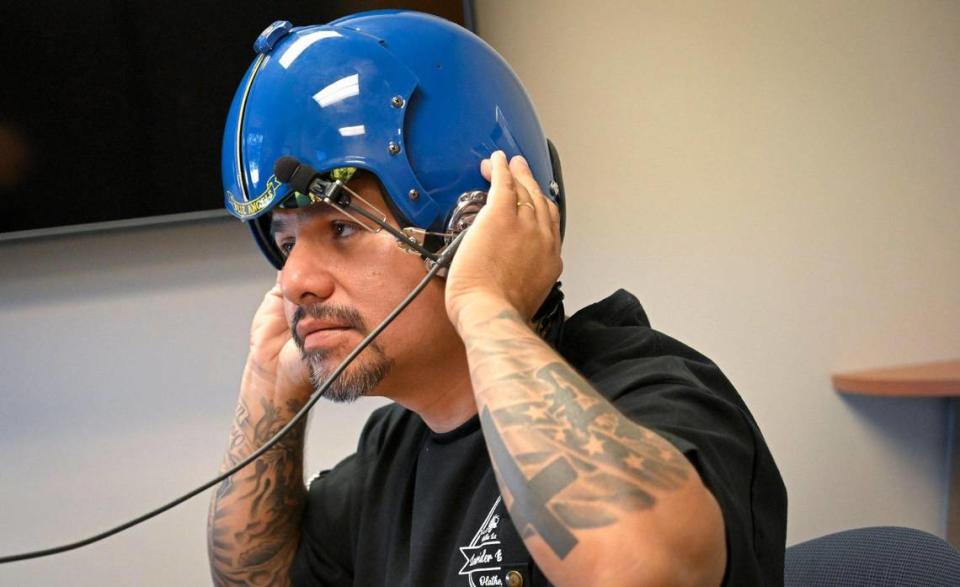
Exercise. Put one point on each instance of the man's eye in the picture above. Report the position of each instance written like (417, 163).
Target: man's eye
(286, 246)
(343, 229)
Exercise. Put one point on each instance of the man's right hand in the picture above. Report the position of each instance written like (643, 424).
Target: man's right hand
(274, 358)
(255, 515)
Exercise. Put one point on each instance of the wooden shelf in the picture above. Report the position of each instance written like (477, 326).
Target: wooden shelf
(940, 379)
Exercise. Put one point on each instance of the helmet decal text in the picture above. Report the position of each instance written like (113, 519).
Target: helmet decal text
(247, 210)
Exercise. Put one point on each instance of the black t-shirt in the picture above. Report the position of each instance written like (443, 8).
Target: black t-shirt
(414, 508)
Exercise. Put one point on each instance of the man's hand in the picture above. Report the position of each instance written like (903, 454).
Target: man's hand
(510, 256)
(274, 358)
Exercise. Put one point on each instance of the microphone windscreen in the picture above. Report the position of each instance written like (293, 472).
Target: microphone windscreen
(285, 167)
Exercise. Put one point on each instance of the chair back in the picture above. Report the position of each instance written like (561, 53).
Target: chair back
(880, 556)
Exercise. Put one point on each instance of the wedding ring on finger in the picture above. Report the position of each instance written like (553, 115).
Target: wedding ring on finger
(528, 204)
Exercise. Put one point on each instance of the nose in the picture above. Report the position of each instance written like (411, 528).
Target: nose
(306, 276)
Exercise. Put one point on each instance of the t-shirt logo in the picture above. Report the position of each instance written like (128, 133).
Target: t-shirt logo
(483, 555)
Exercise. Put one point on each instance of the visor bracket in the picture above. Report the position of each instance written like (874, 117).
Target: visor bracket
(270, 35)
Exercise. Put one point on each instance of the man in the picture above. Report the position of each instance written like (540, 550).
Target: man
(523, 448)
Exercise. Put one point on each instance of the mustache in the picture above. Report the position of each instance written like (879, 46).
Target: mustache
(344, 315)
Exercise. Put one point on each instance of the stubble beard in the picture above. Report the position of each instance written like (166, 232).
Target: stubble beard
(356, 381)
(363, 374)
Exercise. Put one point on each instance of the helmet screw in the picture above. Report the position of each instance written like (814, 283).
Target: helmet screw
(393, 148)
(397, 102)
(554, 188)
(413, 195)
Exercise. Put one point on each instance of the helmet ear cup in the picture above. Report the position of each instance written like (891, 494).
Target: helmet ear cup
(561, 196)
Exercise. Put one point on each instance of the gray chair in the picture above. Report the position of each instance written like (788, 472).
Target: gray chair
(882, 556)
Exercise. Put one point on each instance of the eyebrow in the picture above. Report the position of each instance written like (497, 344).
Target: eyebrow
(285, 222)
(278, 224)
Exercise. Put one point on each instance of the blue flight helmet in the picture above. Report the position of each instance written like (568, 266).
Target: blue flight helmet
(412, 98)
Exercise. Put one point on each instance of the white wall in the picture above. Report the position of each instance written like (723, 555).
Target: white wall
(779, 183)
(776, 181)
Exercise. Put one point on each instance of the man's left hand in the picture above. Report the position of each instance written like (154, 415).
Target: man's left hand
(510, 256)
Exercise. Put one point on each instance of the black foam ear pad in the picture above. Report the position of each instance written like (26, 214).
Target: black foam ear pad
(561, 197)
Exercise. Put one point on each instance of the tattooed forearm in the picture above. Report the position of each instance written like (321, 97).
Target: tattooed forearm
(255, 514)
(567, 459)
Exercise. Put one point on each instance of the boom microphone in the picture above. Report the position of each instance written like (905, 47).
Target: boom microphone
(291, 171)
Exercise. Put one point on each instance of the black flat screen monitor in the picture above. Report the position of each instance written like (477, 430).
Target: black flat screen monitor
(113, 112)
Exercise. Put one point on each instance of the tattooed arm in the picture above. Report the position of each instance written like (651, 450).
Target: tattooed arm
(254, 524)
(598, 499)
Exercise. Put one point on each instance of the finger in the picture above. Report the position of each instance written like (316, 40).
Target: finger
(554, 222)
(277, 289)
(554, 211)
(524, 201)
(486, 169)
(524, 177)
(503, 194)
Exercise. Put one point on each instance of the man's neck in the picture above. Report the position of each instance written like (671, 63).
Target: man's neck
(449, 408)
(443, 402)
